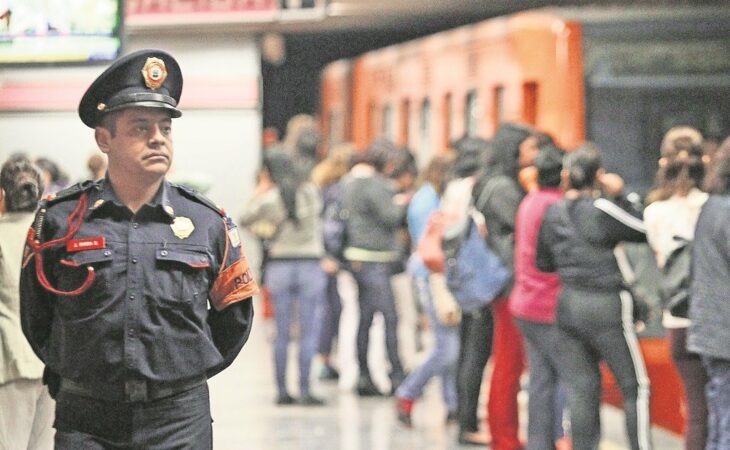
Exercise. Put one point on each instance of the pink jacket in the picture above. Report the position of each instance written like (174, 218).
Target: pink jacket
(535, 293)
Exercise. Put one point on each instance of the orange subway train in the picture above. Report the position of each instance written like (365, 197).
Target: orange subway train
(617, 77)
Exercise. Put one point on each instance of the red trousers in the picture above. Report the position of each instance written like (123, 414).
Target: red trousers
(508, 363)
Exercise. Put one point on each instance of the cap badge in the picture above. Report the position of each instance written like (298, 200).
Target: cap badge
(154, 73)
(182, 227)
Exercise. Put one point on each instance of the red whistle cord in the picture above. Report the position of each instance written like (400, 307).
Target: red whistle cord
(75, 219)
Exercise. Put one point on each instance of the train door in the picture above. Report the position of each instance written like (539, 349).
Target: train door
(628, 124)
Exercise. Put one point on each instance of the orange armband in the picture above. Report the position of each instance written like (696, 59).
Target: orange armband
(234, 283)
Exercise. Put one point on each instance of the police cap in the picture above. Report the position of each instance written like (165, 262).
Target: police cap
(147, 78)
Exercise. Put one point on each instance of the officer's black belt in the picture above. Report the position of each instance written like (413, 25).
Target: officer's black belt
(129, 391)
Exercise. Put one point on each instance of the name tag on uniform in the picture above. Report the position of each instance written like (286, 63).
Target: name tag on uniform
(91, 243)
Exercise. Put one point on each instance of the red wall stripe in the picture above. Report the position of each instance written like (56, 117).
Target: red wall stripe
(65, 95)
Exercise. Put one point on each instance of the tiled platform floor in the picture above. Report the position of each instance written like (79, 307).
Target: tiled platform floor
(246, 417)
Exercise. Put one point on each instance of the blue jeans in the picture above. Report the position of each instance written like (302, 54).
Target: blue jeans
(718, 402)
(331, 315)
(181, 421)
(375, 294)
(297, 287)
(443, 359)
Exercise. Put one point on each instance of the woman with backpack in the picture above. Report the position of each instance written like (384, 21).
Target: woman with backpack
(670, 222)
(497, 195)
(594, 316)
(476, 326)
(293, 271)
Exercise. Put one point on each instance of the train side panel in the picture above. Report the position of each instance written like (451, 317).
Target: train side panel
(427, 92)
(336, 102)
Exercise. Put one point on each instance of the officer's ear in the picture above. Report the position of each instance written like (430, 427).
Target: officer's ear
(103, 138)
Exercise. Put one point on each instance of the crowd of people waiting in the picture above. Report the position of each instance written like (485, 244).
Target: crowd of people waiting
(558, 220)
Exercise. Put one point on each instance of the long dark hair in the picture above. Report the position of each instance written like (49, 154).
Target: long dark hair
(506, 144)
(286, 176)
(436, 172)
(21, 181)
(471, 156)
(718, 182)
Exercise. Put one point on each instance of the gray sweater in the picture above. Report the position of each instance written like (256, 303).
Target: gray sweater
(291, 240)
(373, 218)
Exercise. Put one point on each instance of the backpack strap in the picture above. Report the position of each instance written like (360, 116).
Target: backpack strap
(485, 194)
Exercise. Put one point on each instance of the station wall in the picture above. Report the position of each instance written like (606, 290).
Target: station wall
(217, 141)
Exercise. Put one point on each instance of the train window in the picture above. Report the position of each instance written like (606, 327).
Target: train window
(447, 120)
(471, 114)
(405, 121)
(370, 124)
(424, 152)
(336, 127)
(529, 99)
(388, 128)
(413, 121)
(498, 104)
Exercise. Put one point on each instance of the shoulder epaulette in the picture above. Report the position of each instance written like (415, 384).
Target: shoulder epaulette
(69, 193)
(200, 198)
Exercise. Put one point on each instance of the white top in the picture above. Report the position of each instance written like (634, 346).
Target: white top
(676, 216)
(456, 204)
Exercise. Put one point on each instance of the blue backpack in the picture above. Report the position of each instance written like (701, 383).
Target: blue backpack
(475, 275)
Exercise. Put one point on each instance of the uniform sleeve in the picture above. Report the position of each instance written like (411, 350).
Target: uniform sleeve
(230, 329)
(544, 257)
(234, 282)
(231, 316)
(36, 304)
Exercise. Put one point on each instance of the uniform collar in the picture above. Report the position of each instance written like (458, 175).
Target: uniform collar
(103, 198)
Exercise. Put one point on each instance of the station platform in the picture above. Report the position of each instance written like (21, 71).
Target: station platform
(246, 417)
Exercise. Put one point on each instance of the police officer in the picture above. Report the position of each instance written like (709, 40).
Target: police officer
(134, 291)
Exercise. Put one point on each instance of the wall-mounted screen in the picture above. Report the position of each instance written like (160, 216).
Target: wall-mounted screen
(59, 31)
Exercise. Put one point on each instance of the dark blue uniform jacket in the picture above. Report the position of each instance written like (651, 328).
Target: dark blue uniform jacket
(171, 298)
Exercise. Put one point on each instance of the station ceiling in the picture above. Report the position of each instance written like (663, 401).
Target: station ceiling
(398, 15)
(404, 17)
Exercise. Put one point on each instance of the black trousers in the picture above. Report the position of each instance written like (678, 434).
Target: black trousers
(181, 421)
(476, 347)
(596, 326)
